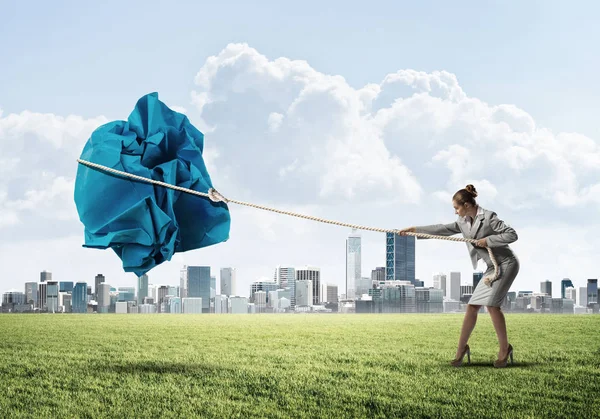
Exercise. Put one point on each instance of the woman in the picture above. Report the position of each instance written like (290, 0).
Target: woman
(474, 222)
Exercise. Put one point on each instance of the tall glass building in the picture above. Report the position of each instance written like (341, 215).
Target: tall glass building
(400, 258)
(353, 263)
(31, 293)
(592, 291)
(52, 296)
(546, 287)
(199, 285)
(228, 281)
(99, 279)
(313, 274)
(142, 288)
(79, 298)
(285, 277)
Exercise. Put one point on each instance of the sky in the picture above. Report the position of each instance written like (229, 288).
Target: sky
(373, 114)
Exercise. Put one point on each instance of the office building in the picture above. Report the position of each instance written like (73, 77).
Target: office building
(546, 288)
(199, 285)
(353, 263)
(228, 281)
(79, 299)
(400, 258)
(304, 292)
(312, 274)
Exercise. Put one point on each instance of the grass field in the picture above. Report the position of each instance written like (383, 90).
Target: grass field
(294, 366)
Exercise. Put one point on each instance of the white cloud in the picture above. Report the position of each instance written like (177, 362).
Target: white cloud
(281, 133)
(274, 121)
(411, 133)
(53, 199)
(38, 166)
(313, 123)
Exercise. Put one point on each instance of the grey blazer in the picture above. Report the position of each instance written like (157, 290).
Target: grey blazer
(486, 225)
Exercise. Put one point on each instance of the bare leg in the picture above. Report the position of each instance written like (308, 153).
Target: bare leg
(467, 327)
(500, 325)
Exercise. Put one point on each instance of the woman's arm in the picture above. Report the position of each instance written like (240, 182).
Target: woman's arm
(505, 234)
(439, 229)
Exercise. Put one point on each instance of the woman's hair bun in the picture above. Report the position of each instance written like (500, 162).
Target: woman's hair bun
(471, 189)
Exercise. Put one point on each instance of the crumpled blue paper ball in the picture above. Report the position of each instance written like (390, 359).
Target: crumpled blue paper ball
(143, 223)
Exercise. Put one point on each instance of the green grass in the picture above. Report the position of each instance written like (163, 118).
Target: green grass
(294, 366)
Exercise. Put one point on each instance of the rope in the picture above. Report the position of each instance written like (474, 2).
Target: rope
(215, 196)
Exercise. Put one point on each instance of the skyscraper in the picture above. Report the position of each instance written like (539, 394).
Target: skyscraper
(213, 288)
(592, 291)
(142, 288)
(183, 282)
(198, 285)
(45, 276)
(313, 274)
(400, 258)
(228, 280)
(79, 298)
(353, 263)
(439, 282)
(52, 296)
(103, 295)
(564, 284)
(41, 301)
(162, 292)
(285, 277)
(378, 274)
(546, 287)
(582, 300)
(332, 294)
(304, 294)
(31, 293)
(97, 281)
(455, 286)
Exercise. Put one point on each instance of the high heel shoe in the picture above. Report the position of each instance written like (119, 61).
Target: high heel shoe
(457, 362)
(503, 363)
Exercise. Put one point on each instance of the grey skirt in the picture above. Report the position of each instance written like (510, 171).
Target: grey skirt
(494, 296)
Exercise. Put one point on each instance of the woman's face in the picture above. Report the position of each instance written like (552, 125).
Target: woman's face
(459, 209)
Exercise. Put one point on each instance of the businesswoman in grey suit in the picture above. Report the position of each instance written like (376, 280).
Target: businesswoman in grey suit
(477, 223)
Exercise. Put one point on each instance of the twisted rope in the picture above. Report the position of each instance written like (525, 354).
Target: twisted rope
(215, 196)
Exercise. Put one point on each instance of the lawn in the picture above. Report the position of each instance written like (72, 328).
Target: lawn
(294, 366)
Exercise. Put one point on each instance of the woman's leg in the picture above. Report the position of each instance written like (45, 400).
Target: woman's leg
(467, 327)
(500, 325)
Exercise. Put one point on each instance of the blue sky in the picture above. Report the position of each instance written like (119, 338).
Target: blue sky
(513, 110)
(84, 58)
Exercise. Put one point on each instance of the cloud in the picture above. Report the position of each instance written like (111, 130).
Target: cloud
(284, 117)
(413, 133)
(281, 133)
(38, 166)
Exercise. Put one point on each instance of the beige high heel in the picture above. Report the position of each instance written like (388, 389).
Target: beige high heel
(503, 363)
(457, 362)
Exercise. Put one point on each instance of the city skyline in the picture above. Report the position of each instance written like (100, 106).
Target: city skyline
(436, 281)
(382, 140)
